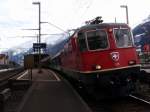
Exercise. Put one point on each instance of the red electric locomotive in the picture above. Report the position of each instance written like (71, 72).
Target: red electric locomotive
(101, 55)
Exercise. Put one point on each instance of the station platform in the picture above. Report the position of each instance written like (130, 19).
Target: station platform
(51, 93)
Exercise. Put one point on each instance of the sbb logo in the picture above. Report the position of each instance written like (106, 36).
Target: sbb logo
(115, 56)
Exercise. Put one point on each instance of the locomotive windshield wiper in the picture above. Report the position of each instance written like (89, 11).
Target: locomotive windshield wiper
(119, 31)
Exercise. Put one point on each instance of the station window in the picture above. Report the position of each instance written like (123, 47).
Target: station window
(82, 42)
(123, 38)
(97, 39)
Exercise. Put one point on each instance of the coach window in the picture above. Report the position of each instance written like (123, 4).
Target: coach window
(97, 39)
(82, 42)
(123, 38)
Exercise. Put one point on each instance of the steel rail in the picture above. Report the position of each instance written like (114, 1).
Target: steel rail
(140, 99)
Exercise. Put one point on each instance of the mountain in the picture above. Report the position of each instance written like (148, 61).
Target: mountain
(141, 33)
(54, 44)
(57, 47)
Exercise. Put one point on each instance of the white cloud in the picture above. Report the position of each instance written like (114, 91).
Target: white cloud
(18, 14)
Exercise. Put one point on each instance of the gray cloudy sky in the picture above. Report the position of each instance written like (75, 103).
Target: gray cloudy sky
(67, 14)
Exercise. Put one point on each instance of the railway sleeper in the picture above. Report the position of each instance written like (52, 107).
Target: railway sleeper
(4, 96)
(19, 84)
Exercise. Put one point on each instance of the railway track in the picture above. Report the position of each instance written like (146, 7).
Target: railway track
(9, 73)
(6, 75)
(144, 100)
(12, 89)
(126, 104)
(131, 103)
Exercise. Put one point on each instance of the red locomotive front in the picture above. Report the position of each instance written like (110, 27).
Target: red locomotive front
(107, 47)
(101, 54)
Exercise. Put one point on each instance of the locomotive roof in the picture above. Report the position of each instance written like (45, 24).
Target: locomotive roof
(103, 25)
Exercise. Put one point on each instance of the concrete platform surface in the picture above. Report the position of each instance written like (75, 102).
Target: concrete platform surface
(52, 96)
(46, 74)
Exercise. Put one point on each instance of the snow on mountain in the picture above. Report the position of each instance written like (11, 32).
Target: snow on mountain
(54, 44)
(141, 33)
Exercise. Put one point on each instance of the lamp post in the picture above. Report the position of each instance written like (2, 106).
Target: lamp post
(127, 17)
(39, 40)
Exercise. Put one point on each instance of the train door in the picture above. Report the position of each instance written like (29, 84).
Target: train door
(81, 47)
(75, 53)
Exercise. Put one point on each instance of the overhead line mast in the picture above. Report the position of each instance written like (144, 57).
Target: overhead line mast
(39, 5)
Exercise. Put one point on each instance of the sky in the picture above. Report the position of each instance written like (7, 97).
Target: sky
(17, 15)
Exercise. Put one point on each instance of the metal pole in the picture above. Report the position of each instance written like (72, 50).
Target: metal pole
(127, 17)
(39, 5)
(39, 36)
(39, 23)
(115, 20)
(31, 74)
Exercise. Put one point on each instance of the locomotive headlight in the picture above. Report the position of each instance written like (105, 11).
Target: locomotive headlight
(132, 62)
(110, 30)
(98, 67)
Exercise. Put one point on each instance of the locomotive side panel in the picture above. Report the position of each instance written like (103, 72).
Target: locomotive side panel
(124, 58)
(70, 57)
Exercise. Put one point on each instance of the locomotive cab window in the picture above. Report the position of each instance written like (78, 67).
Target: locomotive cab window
(97, 39)
(82, 42)
(123, 38)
